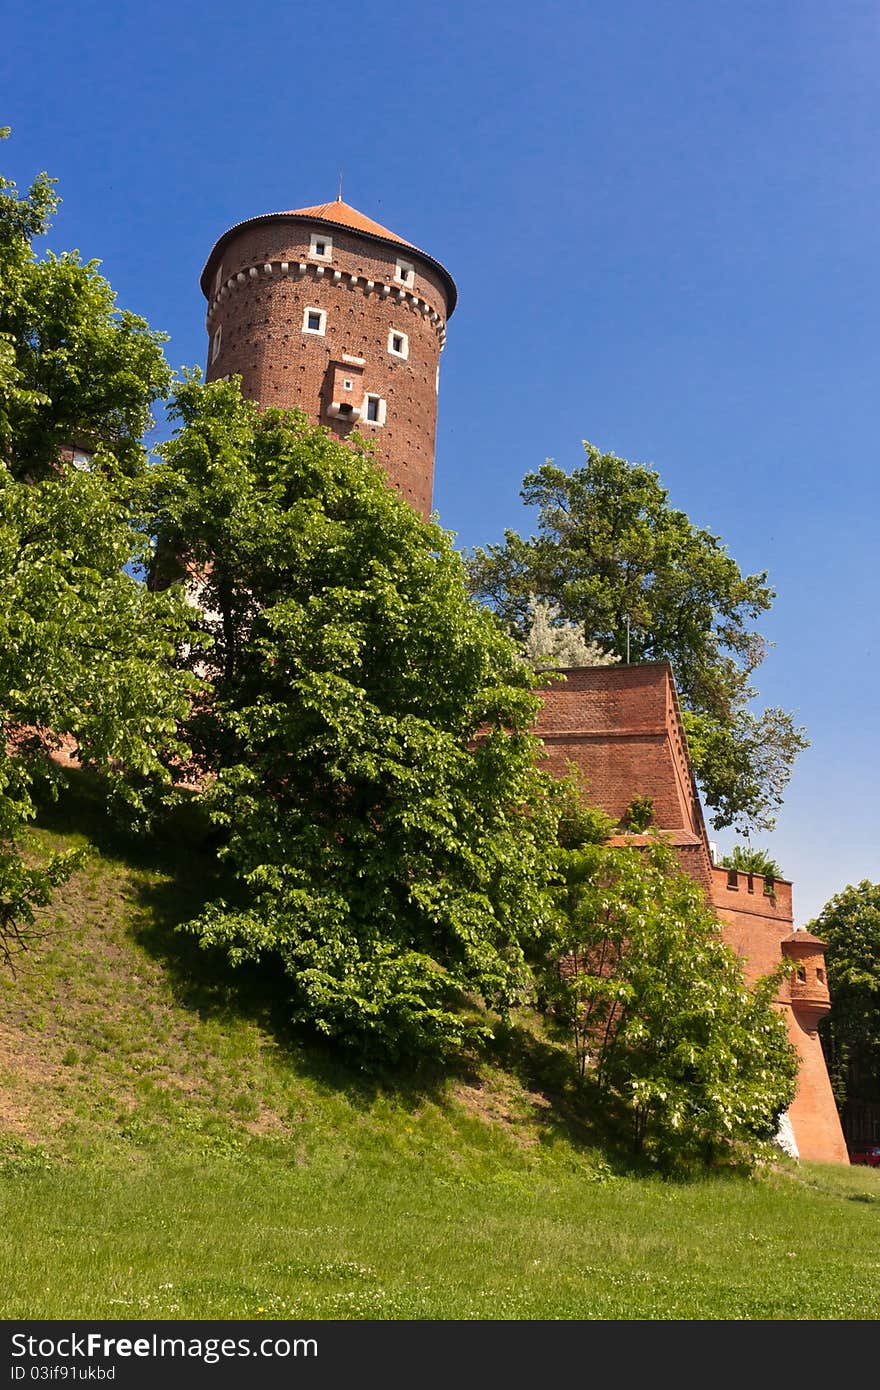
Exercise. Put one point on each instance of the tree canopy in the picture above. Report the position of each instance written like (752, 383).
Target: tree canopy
(74, 368)
(752, 860)
(661, 1018)
(644, 582)
(85, 649)
(850, 924)
(551, 642)
(366, 742)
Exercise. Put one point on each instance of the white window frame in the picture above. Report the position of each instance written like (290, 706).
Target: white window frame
(215, 344)
(403, 352)
(218, 279)
(347, 383)
(380, 411)
(405, 273)
(319, 239)
(320, 331)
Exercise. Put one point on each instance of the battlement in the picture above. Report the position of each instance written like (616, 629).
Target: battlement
(752, 893)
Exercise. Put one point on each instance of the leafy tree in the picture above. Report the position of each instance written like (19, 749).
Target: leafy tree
(639, 815)
(612, 555)
(751, 860)
(850, 924)
(85, 650)
(551, 642)
(365, 746)
(74, 369)
(660, 1016)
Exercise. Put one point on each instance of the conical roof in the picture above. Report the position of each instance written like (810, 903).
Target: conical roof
(335, 214)
(803, 938)
(344, 215)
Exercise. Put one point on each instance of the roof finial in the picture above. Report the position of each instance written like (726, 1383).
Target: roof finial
(339, 194)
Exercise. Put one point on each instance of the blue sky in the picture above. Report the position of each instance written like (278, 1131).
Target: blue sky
(663, 222)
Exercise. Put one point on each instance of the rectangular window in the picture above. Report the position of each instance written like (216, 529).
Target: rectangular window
(398, 344)
(315, 321)
(405, 272)
(374, 410)
(320, 246)
(215, 350)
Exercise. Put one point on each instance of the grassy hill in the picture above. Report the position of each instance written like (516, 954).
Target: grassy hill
(170, 1148)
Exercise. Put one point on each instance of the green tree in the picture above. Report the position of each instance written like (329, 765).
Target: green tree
(612, 555)
(551, 643)
(366, 744)
(850, 924)
(751, 860)
(86, 652)
(74, 369)
(660, 1016)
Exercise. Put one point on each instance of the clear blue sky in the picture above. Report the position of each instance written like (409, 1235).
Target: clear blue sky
(663, 221)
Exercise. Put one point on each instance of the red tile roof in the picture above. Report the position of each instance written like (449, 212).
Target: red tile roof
(347, 218)
(343, 215)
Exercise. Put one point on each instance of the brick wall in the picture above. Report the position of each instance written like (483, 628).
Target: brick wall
(260, 324)
(755, 923)
(813, 1113)
(620, 726)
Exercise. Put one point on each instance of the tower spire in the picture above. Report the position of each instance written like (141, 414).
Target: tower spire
(339, 194)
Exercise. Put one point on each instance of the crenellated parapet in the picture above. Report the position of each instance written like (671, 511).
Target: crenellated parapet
(346, 280)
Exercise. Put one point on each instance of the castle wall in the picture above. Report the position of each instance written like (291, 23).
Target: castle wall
(755, 922)
(813, 1111)
(614, 724)
(621, 727)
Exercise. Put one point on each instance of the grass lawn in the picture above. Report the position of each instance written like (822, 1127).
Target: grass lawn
(170, 1149)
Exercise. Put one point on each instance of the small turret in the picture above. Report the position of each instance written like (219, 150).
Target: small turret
(809, 982)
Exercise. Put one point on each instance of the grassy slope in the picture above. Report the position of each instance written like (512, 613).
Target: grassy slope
(168, 1148)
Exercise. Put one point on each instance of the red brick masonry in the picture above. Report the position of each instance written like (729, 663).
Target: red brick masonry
(261, 279)
(621, 727)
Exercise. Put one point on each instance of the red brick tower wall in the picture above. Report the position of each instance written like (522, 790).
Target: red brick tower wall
(756, 923)
(615, 724)
(621, 727)
(758, 926)
(261, 279)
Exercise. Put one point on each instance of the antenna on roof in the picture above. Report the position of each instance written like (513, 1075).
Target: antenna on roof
(339, 194)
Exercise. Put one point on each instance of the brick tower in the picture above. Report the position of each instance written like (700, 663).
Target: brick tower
(323, 309)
